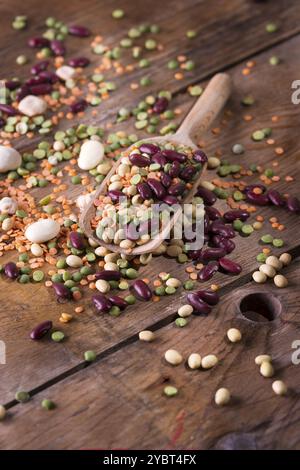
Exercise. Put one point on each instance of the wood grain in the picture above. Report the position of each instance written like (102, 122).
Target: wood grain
(118, 401)
(91, 331)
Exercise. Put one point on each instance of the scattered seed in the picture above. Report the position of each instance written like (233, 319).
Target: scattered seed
(285, 258)
(48, 404)
(185, 311)
(279, 387)
(280, 281)
(89, 356)
(209, 361)
(234, 335)
(146, 335)
(259, 277)
(222, 396)
(268, 270)
(57, 336)
(262, 358)
(170, 391)
(266, 369)
(173, 357)
(194, 361)
(22, 397)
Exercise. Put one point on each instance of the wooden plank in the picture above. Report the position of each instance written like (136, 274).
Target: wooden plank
(216, 46)
(31, 364)
(119, 402)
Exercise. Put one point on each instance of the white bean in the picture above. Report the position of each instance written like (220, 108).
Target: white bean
(194, 361)
(213, 162)
(101, 251)
(280, 281)
(266, 369)
(234, 335)
(102, 286)
(185, 311)
(42, 231)
(36, 250)
(262, 358)
(111, 267)
(209, 361)
(285, 258)
(32, 105)
(274, 262)
(10, 159)
(7, 224)
(8, 205)
(74, 261)
(91, 154)
(65, 72)
(279, 387)
(222, 396)
(146, 335)
(173, 357)
(268, 270)
(173, 282)
(259, 277)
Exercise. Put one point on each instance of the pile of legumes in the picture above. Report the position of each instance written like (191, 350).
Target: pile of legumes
(40, 238)
(147, 174)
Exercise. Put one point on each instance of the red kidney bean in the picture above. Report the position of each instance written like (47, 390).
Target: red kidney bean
(209, 198)
(250, 187)
(108, 275)
(174, 169)
(225, 243)
(157, 188)
(101, 303)
(37, 80)
(57, 47)
(12, 84)
(150, 149)
(159, 158)
(176, 189)
(187, 173)
(172, 155)
(144, 191)
(61, 290)
(139, 160)
(195, 255)
(230, 216)
(218, 228)
(230, 266)
(131, 232)
(206, 224)
(79, 62)
(200, 156)
(79, 106)
(258, 199)
(7, 109)
(160, 105)
(80, 31)
(39, 67)
(42, 89)
(165, 179)
(208, 296)
(115, 194)
(210, 254)
(212, 213)
(49, 77)
(198, 304)
(77, 240)
(22, 92)
(41, 330)
(118, 301)
(208, 271)
(141, 290)
(276, 198)
(38, 42)
(170, 200)
(11, 270)
(293, 204)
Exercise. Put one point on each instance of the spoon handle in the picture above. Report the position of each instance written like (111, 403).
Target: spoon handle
(206, 109)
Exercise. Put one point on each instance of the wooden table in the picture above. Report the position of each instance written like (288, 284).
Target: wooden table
(118, 401)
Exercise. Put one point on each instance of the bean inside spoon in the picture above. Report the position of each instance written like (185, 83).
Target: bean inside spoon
(196, 123)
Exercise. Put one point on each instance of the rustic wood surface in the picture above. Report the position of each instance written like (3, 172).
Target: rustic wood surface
(118, 402)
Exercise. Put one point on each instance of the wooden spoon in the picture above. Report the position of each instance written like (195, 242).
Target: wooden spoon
(196, 123)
